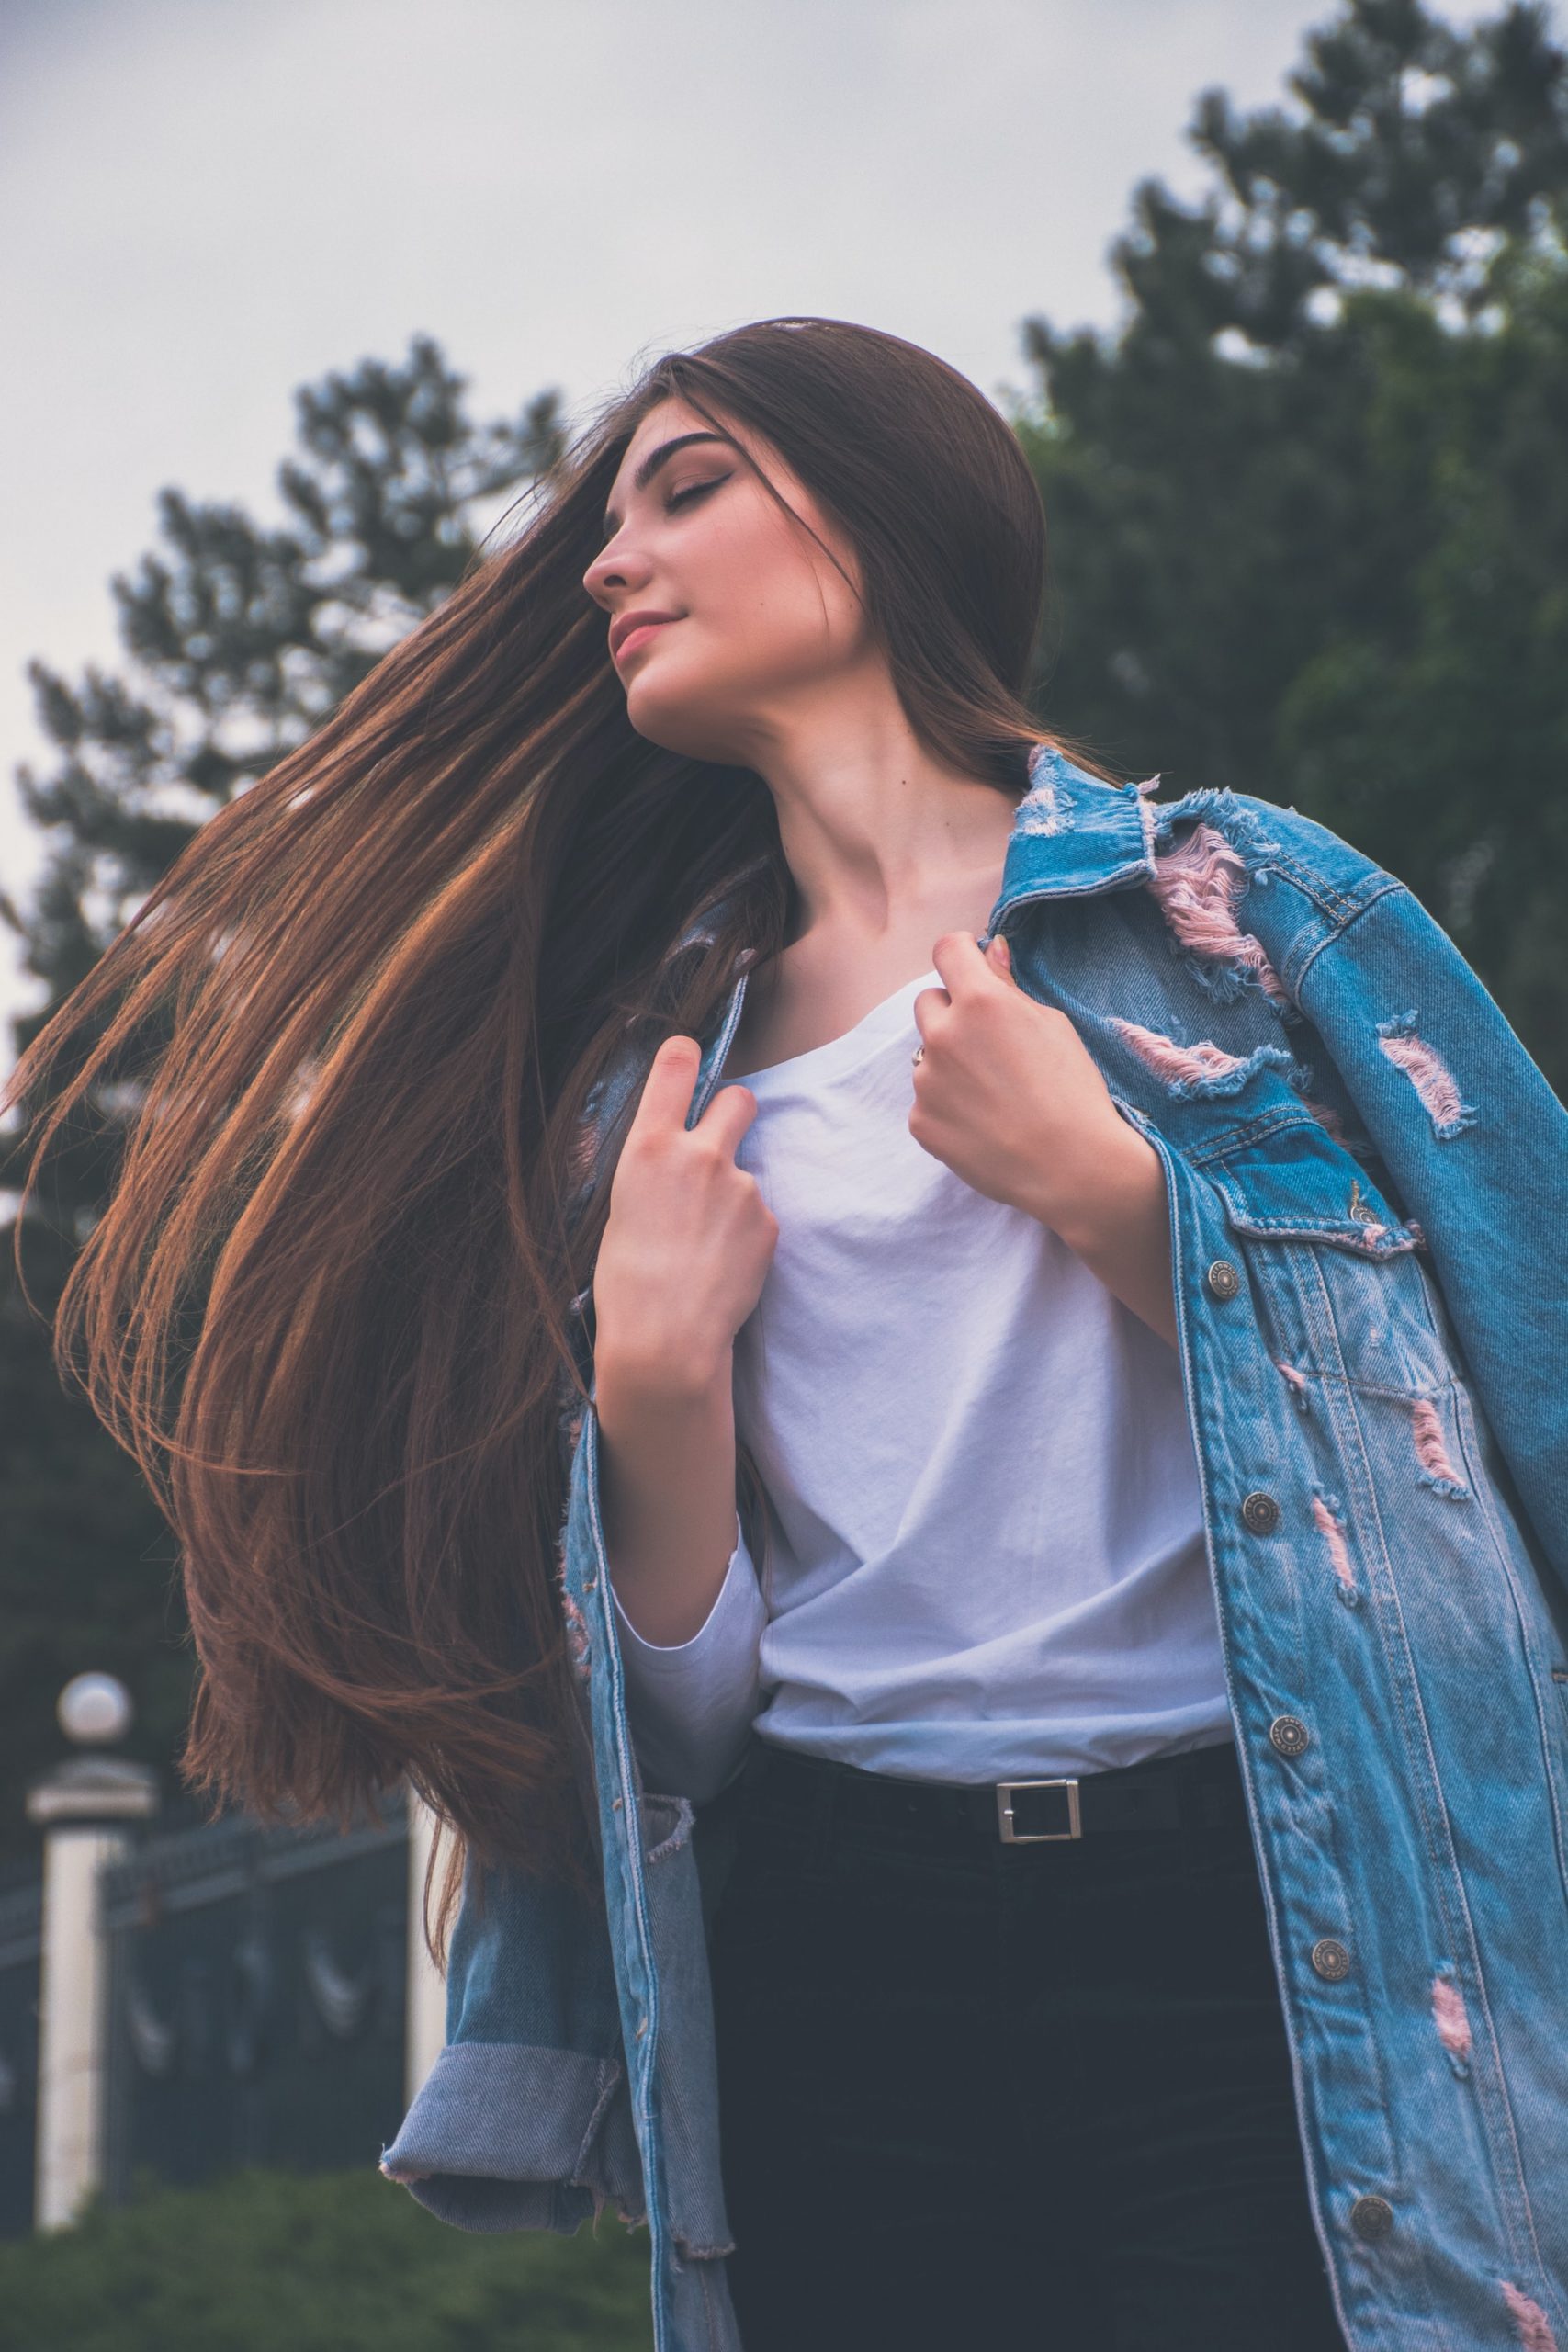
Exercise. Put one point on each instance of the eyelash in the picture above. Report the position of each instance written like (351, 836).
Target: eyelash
(684, 497)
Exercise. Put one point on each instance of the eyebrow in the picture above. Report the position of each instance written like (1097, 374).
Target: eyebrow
(657, 458)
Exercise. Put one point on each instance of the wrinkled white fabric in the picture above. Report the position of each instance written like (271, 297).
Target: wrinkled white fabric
(988, 1557)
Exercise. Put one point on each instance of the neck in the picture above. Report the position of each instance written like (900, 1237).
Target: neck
(880, 836)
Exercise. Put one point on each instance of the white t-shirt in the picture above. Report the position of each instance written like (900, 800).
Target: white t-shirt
(988, 1557)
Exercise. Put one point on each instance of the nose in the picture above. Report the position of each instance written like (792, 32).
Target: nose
(615, 567)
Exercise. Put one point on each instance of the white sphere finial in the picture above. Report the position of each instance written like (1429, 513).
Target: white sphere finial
(93, 1709)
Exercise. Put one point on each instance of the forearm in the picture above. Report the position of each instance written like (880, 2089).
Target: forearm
(667, 1494)
(1121, 1229)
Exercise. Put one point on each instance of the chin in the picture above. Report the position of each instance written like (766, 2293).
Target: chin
(682, 719)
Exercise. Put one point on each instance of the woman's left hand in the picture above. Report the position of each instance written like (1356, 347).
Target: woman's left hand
(1008, 1096)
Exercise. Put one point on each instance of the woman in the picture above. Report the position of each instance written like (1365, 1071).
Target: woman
(917, 1391)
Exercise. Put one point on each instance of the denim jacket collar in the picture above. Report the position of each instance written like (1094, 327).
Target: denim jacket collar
(1073, 836)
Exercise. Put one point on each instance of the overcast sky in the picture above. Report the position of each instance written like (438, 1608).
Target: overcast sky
(204, 203)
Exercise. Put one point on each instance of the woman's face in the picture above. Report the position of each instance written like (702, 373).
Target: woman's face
(752, 615)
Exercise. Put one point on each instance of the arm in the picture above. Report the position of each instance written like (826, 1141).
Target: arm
(1486, 1173)
(682, 1261)
(689, 1606)
(1121, 1229)
(667, 1494)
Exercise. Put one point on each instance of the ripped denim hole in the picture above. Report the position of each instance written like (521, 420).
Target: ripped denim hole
(1451, 2018)
(1428, 1074)
(1197, 1072)
(1530, 2324)
(1325, 1517)
(1431, 1450)
(1198, 886)
(577, 1645)
(1046, 807)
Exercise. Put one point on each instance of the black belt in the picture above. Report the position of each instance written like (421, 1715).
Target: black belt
(1199, 1788)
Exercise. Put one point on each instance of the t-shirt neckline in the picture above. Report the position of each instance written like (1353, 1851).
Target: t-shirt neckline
(840, 1053)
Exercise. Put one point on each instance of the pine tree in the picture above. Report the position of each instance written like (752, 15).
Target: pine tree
(1309, 502)
(239, 637)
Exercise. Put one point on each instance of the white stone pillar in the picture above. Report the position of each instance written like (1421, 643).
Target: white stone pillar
(424, 2034)
(83, 1809)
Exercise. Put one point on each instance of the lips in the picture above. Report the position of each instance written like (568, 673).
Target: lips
(643, 633)
(635, 627)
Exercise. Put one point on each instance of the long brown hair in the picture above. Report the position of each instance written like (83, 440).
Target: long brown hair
(359, 1027)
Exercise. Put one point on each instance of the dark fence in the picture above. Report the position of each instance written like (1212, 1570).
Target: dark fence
(21, 1943)
(256, 1999)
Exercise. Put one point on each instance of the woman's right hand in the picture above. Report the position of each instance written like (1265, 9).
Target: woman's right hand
(689, 1238)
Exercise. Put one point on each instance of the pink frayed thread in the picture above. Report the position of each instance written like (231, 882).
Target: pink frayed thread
(1297, 1380)
(1327, 1119)
(1332, 1534)
(1451, 2018)
(1171, 1060)
(577, 1642)
(1530, 2324)
(1432, 1452)
(1428, 1073)
(1147, 817)
(1040, 811)
(1198, 885)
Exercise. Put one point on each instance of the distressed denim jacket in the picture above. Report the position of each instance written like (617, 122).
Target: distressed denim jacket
(1368, 1189)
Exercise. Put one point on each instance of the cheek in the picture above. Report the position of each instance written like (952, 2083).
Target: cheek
(765, 635)
(770, 606)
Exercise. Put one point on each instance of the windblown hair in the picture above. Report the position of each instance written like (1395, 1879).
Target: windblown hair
(361, 1021)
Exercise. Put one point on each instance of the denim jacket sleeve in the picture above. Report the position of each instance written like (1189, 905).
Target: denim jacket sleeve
(1467, 1126)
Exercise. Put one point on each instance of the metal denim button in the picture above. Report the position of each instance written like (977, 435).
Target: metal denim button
(1223, 1278)
(1371, 2218)
(1260, 1513)
(1330, 1959)
(1289, 1735)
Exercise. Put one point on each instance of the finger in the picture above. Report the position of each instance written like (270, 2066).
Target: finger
(728, 1114)
(957, 957)
(667, 1090)
(999, 955)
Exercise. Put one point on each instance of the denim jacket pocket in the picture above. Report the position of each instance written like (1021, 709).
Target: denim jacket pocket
(1336, 1279)
(1286, 1179)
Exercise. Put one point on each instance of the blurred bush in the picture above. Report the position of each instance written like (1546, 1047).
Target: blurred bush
(337, 2261)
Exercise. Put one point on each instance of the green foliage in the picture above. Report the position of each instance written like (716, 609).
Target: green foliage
(241, 636)
(1309, 505)
(338, 2262)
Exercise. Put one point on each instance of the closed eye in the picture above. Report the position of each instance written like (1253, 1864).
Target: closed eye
(696, 489)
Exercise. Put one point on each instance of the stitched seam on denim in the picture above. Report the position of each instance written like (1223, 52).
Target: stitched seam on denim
(1280, 1121)
(1430, 1388)
(1436, 1835)
(1365, 1515)
(1342, 1239)
(1470, 1447)
(1340, 906)
(1471, 1452)
(653, 2155)
(580, 2160)
(1387, 887)
(1447, 1882)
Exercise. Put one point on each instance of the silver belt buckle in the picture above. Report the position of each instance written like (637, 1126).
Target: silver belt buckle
(1011, 1837)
